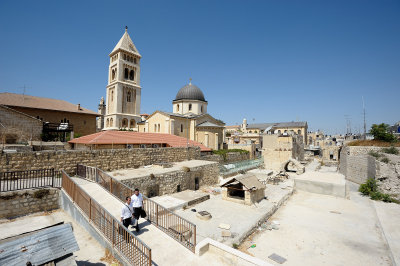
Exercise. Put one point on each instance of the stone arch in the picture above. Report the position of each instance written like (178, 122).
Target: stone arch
(132, 123)
(300, 169)
(124, 122)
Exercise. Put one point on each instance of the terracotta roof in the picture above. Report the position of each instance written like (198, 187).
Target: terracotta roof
(127, 137)
(21, 100)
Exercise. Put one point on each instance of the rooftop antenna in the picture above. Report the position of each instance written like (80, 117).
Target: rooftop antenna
(365, 125)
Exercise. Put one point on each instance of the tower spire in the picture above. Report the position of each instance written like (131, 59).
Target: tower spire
(190, 81)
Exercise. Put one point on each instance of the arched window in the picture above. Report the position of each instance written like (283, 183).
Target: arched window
(190, 106)
(128, 97)
(177, 107)
(108, 122)
(126, 73)
(181, 127)
(155, 128)
(124, 122)
(201, 108)
(159, 128)
(299, 132)
(113, 74)
(132, 123)
(112, 95)
(134, 60)
(111, 122)
(124, 56)
(132, 75)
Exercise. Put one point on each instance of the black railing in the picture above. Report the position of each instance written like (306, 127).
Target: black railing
(18, 180)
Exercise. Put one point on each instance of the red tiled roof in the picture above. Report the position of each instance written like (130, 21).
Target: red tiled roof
(20, 100)
(127, 137)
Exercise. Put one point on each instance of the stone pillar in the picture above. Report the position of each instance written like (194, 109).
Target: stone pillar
(167, 129)
(172, 125)
(216, 141)
(206, 139)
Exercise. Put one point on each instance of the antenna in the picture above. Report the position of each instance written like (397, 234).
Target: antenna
(365, 125)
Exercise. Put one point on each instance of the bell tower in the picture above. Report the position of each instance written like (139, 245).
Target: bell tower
(123, 89)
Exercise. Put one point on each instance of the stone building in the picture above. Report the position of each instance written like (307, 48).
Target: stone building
(280, 151)
(122, 107)
(189, 119)
(18, 127)
(56, 115)
(245, 189)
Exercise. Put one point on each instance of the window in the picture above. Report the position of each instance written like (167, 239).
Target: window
(113, 74)
(128, 97)
(181, 127)
(279, 132)
(190, 106)
(177, 107)
(124, 122)
(299, 132)
(159, 127)
(132, 75)
(155, 128)
(201, 108)
(126, 73)
(124, 56)
(132, 123)
(108, 122)
(111, 122)
(112, 95)
(134, 60)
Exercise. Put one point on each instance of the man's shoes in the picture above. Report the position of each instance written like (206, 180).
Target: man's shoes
(137, 228)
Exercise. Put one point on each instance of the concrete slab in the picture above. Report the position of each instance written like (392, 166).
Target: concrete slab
(242, 218)
(389, 218)
(310, 234)
(179, 200)
(126, 174)
(90, 252)
(326, 181)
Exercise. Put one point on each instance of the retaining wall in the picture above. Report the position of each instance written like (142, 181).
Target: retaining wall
(27, 201)
(107, 160)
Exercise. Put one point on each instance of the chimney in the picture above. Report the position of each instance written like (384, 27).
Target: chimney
(79, 106)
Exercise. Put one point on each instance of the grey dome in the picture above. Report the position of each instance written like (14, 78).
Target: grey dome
(190, 92)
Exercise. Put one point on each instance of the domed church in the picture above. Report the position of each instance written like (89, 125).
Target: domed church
(189, 119)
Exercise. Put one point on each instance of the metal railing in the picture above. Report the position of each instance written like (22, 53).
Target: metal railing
(18, 180)
(172, 224)
(133, 249)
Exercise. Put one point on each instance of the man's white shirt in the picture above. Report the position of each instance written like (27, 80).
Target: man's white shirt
(136, 201)
(126, 212)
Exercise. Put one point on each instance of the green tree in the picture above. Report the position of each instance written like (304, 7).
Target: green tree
(380, 132)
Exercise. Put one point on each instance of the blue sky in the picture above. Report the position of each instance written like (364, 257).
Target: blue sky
(267, 61)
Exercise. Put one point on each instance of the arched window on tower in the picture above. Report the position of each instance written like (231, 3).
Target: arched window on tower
(132, 75)
(108, 122)
(112, 95)
(132, 123)
(190, 107)
(113, 74)
(134, 60)
(128, 97)
(201, 109)
(111, 122)
(181, 127)
(299, 132)
(126, 73)
(177, 107)
(124, 122)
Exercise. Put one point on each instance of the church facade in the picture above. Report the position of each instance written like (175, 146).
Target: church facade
(189, 119)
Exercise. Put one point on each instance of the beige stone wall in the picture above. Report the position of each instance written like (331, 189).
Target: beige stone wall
(17, 127)
(105, 159)
(167, 183)
(327, 151)
(279, 149)
(231, 157)
(84, 124)
(23, 202)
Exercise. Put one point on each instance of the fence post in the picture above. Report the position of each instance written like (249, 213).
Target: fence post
(157, 214)
(113, 233)
(194, 244)
(52, 179)
(149, 257)
(90, 208)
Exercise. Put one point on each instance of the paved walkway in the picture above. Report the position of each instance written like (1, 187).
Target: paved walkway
(164, 249)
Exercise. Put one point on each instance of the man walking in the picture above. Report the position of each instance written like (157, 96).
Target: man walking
(126, 216)
(137, 204)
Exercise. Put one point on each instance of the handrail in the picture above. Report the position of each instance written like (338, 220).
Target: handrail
(39, 178)
(122, 239)
(172, 224)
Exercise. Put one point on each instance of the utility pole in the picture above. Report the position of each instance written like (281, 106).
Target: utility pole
(365, 125)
